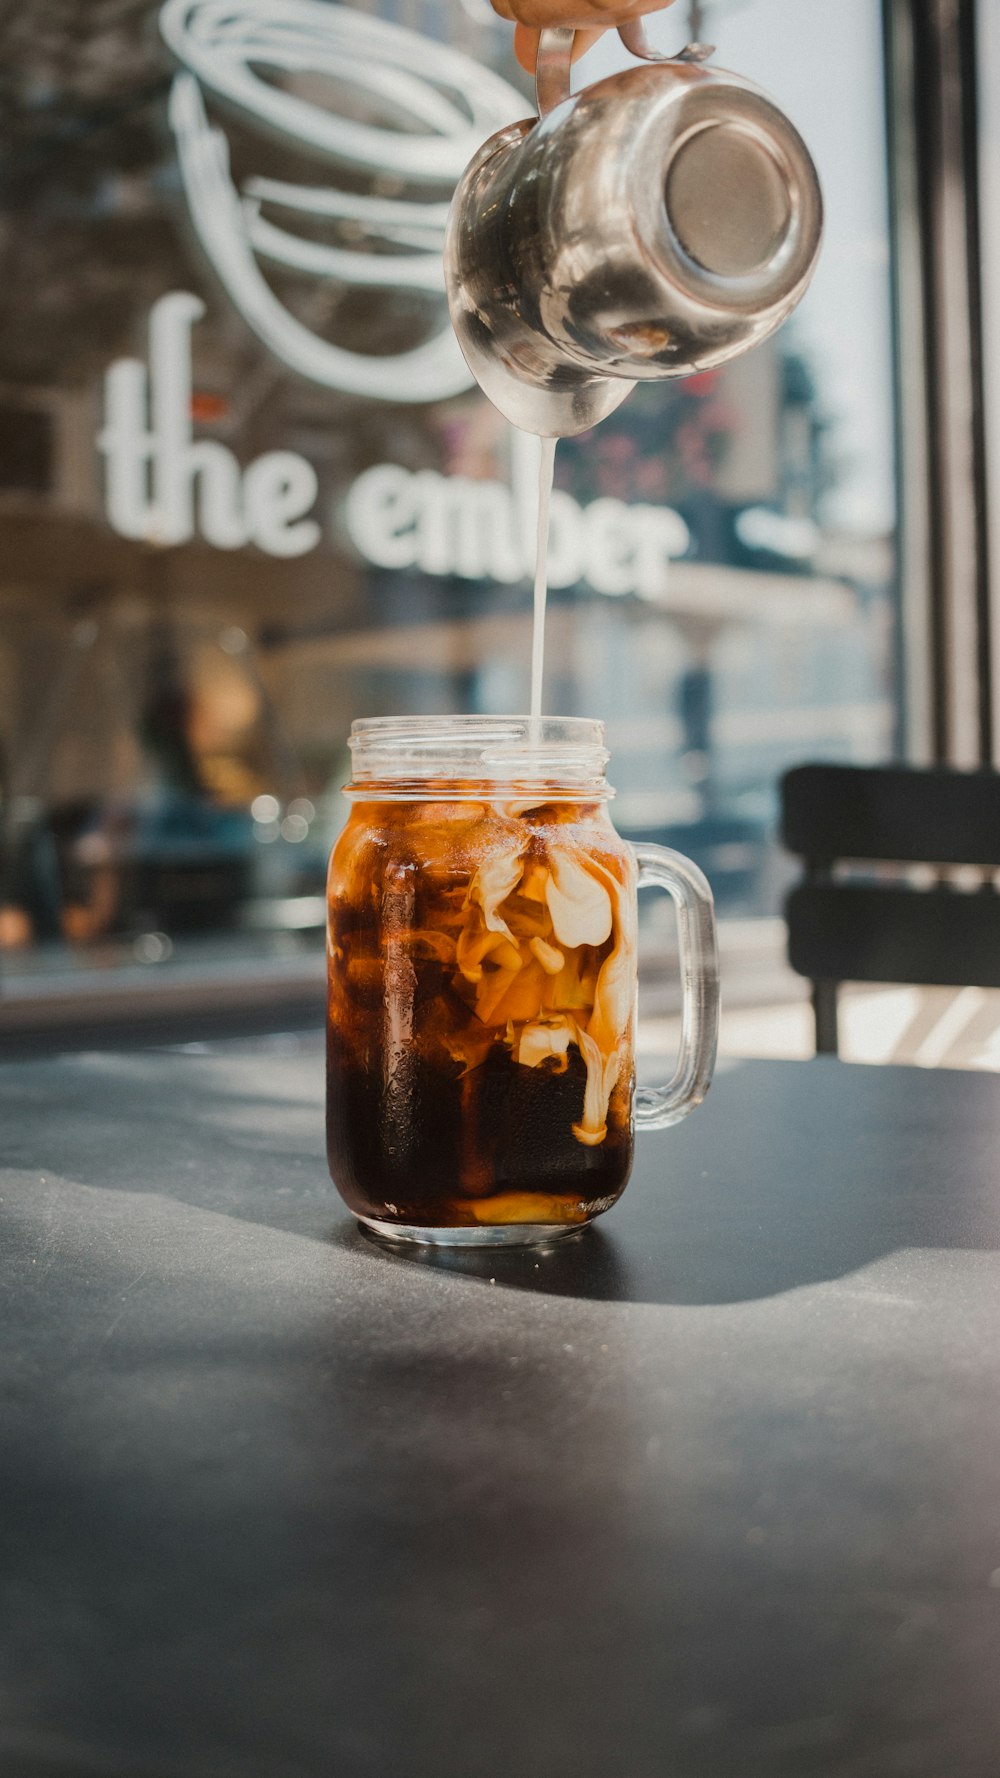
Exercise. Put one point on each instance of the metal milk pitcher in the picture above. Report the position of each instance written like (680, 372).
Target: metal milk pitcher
(658, 223)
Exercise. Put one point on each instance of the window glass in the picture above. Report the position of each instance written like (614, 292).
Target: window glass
(247, 494)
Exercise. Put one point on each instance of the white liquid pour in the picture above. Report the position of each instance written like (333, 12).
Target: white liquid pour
(546, 467)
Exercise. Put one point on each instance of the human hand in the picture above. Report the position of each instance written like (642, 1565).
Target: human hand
(530, 17)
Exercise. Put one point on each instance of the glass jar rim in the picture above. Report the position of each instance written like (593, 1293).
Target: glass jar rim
(411, 757)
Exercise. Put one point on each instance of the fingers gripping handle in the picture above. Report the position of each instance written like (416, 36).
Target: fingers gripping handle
(656, 1107)
(555, 53)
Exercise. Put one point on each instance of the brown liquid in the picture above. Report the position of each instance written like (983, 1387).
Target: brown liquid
(479, 1062)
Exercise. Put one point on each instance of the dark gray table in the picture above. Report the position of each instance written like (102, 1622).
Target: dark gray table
(713, 1493)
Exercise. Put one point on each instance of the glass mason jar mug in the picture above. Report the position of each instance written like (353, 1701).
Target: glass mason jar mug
(482, 982)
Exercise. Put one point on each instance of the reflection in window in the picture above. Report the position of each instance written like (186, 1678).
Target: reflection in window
(176, 702)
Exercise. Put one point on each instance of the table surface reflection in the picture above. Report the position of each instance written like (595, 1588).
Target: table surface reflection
(712, 1492)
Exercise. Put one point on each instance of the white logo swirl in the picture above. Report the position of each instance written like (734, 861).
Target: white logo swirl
(445, 103)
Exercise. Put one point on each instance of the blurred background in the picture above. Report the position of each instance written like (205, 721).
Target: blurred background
(246, 495)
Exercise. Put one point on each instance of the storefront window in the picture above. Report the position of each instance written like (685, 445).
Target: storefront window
(988, 47)
(247, 494)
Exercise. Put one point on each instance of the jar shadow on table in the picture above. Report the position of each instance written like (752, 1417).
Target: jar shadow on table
(601, 1267)
(692, 1265)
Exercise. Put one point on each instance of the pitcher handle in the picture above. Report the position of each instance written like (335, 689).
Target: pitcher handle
(555, 53)
(552, 68)
(656, 1107)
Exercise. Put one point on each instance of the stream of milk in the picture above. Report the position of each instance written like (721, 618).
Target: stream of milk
(546, 467)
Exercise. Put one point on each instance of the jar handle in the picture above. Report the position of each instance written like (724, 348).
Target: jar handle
(656, 1107)
(555, 52)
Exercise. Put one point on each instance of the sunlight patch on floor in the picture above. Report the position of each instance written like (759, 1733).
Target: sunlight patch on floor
(925, 1027)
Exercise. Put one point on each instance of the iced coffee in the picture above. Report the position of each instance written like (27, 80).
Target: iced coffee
(482, 987)
(482, 981)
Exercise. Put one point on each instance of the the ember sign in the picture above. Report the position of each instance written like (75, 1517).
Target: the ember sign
(166, 486)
